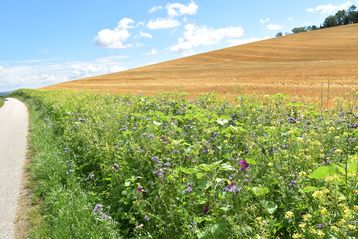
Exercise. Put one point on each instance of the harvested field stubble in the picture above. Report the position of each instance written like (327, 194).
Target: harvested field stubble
(314, 65)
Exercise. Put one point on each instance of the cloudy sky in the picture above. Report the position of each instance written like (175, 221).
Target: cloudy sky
(45, 42)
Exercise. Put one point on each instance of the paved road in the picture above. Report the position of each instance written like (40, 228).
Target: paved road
(13, 140)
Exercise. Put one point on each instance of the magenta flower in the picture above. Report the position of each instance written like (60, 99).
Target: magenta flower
(244, 165)
(140, 189)
(206, 209)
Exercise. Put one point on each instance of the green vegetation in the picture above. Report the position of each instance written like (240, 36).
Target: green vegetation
(1, 101)
(342, 17)
(163, 167)
(65, 208)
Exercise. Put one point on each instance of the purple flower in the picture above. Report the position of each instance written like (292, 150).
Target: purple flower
(232, 188)
(167, 164)
(353, 125)
(206, 209)
(140, 189)
(293, 183)
(116, 167)
(155, 159)
(319, 226)
(291, 120)
(98, 208)
(205, 151)
(189, 189)
(160, 172)
(105, 216)
(244, 165)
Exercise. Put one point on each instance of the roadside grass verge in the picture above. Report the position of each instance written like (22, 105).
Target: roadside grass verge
(60, 207)
(1, 101)
(164, 167)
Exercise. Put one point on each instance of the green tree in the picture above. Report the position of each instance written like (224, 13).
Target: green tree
(330, 22)
(299, 29)
(352, 15)
(279, 34)
(341, 17)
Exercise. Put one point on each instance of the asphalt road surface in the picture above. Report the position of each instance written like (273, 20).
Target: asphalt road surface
(13, 146)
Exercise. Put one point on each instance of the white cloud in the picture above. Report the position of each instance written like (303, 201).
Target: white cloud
(290, 18)
(266, 20)
(330, 8)
(151, 52)
(1, 68)
(110, 59)
(163, 23)
(155, 9)
(274, 27)
(236, 42)
(195, 36)
(145, 35)
(115, 38)
(38, 74)
(178, 9)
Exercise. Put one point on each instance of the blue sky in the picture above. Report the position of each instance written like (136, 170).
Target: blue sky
(46, 42)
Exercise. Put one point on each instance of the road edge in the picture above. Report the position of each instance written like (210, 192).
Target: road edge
(24, 200)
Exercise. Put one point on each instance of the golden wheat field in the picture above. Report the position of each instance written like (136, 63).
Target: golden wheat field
(314, 65)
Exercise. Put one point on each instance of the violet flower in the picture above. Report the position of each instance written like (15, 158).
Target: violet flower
(244, 165)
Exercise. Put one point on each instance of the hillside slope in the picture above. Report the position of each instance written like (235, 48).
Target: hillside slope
(302, 65)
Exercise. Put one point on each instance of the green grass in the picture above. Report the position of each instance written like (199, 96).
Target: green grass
(61, 209)
(1, 101)
(163, 167)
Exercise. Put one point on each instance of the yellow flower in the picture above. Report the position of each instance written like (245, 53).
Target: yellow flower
(342, 198)
(342, 222)
(332, 179)
(299, 139)
(313, 230)
(347, 213)
(320, 233)
(296, 236)
(352, 227)
(302, 174)
(289, 215)
(307, 217)
(338, 151)
(320, 195)
(334, 228)
(324, 211)
(317, 143)
(302, 225)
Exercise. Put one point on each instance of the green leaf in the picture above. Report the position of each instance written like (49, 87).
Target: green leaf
(227, 167)
(323, 172)
(157, 123)
(260, 191)
(217, 230)
(222, 121)
(250, 161)
(270, 206)
(309, 189)
(188, 171)
(204, 183)
(352, 167)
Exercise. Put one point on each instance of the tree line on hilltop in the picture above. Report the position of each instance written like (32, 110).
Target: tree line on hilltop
(342, 17)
